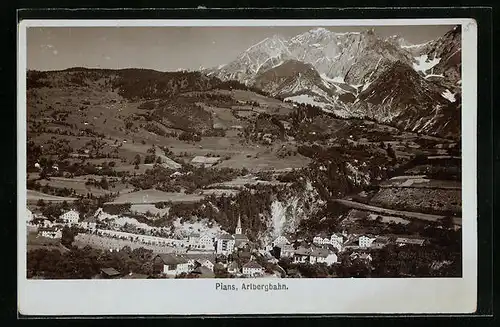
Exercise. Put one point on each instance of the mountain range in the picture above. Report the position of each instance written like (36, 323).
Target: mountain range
(416, 87)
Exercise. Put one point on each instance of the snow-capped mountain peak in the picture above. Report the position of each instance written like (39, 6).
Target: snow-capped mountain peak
(337, 71)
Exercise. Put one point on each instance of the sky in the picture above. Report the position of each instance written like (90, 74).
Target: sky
(171, 48)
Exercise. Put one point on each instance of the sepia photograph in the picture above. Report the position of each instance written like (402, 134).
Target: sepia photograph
(247, 156)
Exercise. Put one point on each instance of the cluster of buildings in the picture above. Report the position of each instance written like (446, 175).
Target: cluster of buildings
(172, 265)
(49, 229)
(344, 241)
(196, 254)
(227, 243)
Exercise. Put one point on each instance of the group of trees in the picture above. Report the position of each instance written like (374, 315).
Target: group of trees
(189, 137)
(32, 184)
(417, 261)
(86, 263)
(102, 183)
(191, 179)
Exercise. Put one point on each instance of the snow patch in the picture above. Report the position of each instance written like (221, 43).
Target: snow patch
(448, 95)
(423, 65)
(365, 86)
(434, 75)
(338, 79)
(415, 45)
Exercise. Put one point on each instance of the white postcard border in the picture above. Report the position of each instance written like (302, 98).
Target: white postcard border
(304, 296)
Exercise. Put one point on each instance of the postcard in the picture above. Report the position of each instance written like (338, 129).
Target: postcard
(235, 167)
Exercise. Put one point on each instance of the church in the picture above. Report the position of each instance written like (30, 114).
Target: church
(226, 243)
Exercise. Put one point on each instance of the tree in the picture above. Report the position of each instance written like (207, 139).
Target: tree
(104, 183)
(390, 152)
(137, 159)
(149, 159)
(68, 236)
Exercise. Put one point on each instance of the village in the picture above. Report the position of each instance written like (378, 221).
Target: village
(225, 255)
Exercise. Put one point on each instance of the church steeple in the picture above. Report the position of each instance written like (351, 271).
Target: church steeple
(238, 226)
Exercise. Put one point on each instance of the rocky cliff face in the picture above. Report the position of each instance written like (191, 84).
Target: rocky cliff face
(359, 74)
(401, 96)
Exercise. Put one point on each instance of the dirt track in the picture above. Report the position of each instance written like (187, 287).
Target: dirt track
(405, 214)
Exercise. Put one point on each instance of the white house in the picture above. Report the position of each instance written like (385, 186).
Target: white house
(287, 250)
(301, 255)
(318, 255)
(365, 241)
(29, 215)
(193, 238)
(171, 264)
(337, 240)
(331, 258)
(206, 263)
(321, 239)
(70, 217)
(252, 269)
(195, 241)
(225, 244)
(206, 242)
(50, 232)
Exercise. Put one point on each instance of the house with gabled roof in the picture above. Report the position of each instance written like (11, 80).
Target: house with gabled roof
(206, 162)
(287, 251)
(109, 273)
(321, 239)
(203, 272)
(233, 268)
(407, 240)
(70, 217)
(301, 255)
(50, 232)
(252, 269)
(170, 264)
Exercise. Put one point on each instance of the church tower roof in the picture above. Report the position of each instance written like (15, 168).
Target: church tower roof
(239, 230)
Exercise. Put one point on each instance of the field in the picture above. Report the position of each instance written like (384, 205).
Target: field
(419, 199)
(78, 184)
(35, 242)
(145, 208)
(240, 182)
(34, 196)
(155, 196)
(399, 213)
(421, 182)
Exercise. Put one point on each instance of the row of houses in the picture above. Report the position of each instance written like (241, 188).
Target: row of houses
(344, 241)
(282, 248)
(171, 265)
(72, 218)
(314, 255)
(194, 241)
